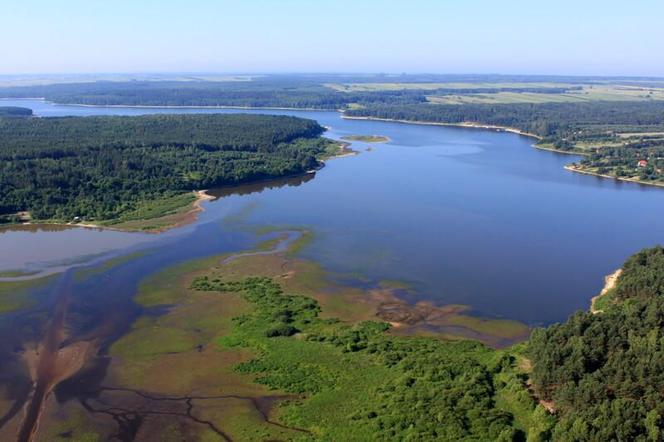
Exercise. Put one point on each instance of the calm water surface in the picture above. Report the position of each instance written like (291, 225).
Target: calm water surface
(465, 216)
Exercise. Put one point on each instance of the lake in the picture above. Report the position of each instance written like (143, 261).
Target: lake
(463, 216)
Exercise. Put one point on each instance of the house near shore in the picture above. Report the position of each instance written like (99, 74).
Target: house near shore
(642, 163)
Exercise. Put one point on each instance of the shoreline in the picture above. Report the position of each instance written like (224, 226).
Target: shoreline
(570, 167)
(146, 106)
(573, 168)
(435, 123)
(609, 283)
(188, 217)
(468, 125)
(564, 152)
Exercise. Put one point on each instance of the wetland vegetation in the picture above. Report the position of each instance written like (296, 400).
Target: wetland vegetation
(336, 375)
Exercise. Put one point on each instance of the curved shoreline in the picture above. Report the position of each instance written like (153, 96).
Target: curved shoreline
(187, 217)
(436, 123)
(573, 168)
(569, 167)
(145, 106)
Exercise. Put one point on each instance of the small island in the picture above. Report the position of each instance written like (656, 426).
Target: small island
(367, 138)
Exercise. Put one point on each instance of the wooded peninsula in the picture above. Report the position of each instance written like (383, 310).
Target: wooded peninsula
(114, 168)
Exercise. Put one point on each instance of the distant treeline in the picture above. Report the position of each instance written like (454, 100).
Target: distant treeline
(605, 372)
(101, 167)
(261, 92)
(558, 121)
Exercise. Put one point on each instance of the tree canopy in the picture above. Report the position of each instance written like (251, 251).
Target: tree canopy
(101, 167)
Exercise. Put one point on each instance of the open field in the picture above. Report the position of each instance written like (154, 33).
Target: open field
(588, 93)
(376, 87)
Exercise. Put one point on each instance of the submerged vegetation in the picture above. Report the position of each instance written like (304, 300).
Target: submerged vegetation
(101, 168)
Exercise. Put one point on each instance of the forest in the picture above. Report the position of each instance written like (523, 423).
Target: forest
(101, 167)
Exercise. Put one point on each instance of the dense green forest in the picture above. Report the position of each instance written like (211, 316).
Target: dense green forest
(601, 374)
(605, 372)
(101, 167)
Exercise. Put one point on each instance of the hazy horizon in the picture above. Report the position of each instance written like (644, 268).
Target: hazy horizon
(598, 38)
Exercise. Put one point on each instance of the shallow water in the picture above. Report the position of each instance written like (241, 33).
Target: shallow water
(464, 216)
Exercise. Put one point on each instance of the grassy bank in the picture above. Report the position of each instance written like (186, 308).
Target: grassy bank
(594, 171)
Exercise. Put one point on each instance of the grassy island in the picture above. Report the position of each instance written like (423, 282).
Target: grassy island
(367, 138)
(110, 170)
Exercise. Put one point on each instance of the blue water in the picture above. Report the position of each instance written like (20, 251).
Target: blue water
(465, 216)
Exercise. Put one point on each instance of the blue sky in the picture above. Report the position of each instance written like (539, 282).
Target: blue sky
(471, 36)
